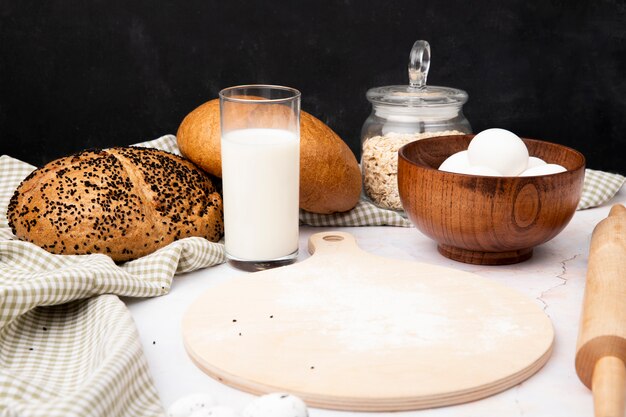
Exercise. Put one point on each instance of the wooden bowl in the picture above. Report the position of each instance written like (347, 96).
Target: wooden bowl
(487, 220)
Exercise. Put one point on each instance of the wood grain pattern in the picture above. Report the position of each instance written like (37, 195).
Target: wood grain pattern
(487, 220)
(348, 330)
(601, 350)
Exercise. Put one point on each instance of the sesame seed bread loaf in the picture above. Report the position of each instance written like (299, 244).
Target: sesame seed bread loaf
(124, 202)
(330, 178)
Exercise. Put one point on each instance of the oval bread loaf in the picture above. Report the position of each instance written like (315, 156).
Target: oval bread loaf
(122, 202)
(330, 178)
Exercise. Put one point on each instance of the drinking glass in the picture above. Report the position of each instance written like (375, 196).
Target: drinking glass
(260, 127)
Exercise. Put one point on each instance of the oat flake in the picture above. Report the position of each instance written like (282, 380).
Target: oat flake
(379, 162)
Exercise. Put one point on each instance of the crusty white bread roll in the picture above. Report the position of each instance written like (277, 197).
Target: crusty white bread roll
(124, 202)
(330, 178)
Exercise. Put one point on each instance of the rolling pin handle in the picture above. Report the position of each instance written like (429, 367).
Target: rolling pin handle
(609, 387)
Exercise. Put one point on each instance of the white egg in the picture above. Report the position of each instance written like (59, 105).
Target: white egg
(457, 162)
(481, 170)
(543, 170)
(217, 411)
(533, 161)
(500, 150)
(276, 405)
(183, 407)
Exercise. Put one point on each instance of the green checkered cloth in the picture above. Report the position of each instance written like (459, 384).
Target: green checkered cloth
(599, 188)
(68, 345)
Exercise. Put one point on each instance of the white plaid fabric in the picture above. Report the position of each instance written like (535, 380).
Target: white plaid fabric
(81, 358)
(364, 214)
(68, 346)
(599, 188)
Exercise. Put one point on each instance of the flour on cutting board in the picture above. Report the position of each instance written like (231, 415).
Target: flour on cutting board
(354, 331)
(362, 315)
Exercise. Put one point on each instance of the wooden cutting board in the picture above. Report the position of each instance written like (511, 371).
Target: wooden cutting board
(349, 330)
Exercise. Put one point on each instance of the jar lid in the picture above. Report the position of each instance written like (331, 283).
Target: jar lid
(417, 93)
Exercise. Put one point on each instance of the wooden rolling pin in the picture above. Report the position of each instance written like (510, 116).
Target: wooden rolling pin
(601, 351)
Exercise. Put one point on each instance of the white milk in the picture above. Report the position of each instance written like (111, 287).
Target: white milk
(261, 184)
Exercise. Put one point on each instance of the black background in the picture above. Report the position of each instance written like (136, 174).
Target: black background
(76, 74)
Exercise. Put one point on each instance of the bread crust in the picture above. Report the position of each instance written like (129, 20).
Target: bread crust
(199, 137)
(330, 178)
(125, 202)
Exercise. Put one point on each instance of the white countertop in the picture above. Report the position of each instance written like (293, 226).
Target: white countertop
(554, 277)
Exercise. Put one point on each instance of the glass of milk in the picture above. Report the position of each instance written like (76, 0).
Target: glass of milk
(260, 127)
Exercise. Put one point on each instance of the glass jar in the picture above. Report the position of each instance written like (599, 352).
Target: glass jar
(402, 114)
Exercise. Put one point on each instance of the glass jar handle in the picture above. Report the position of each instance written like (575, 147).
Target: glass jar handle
(419, 63)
